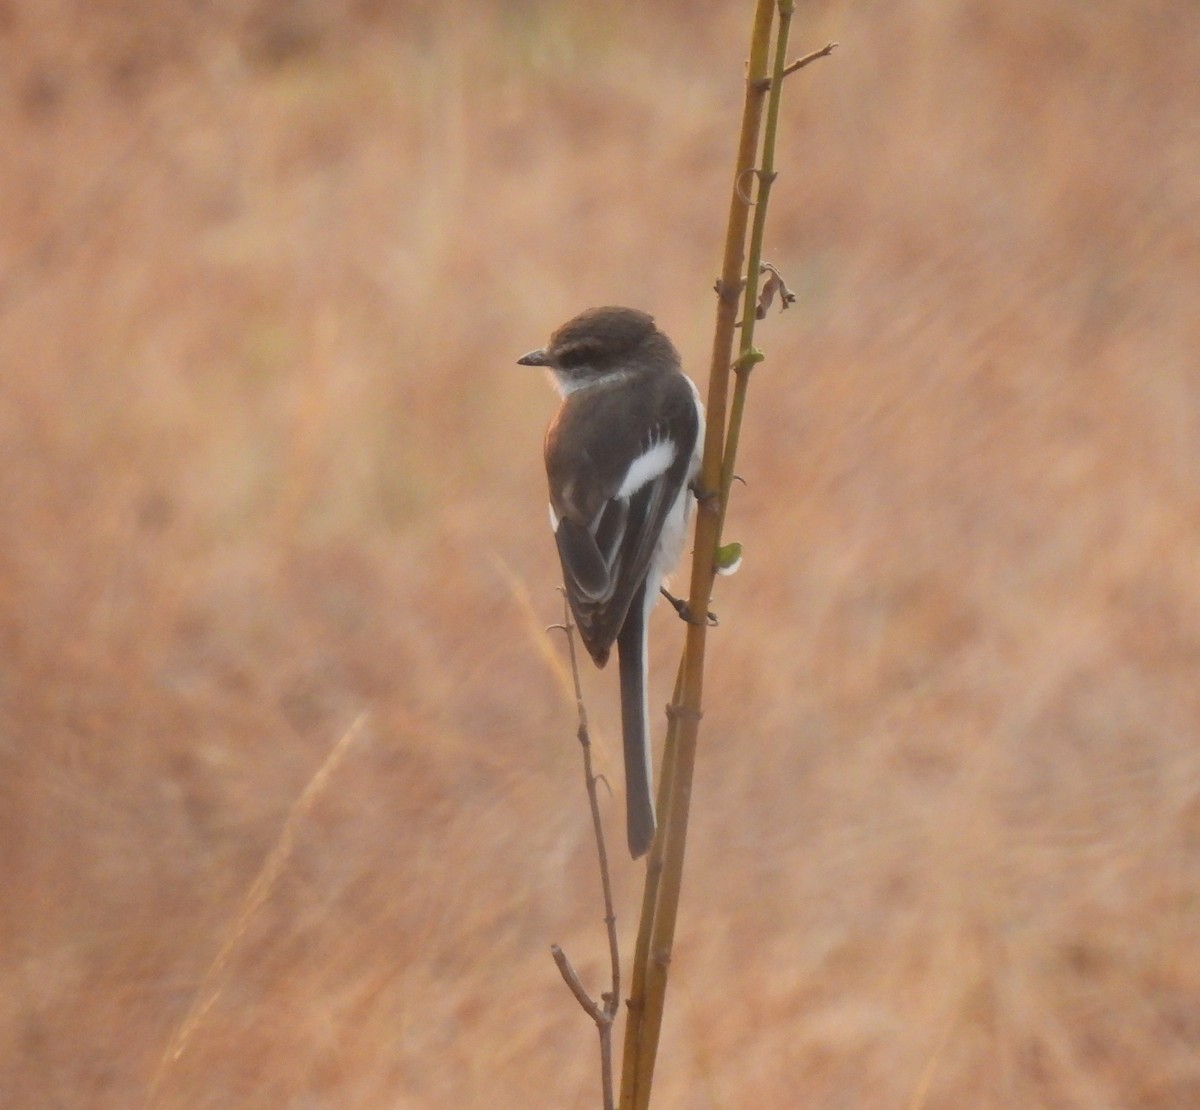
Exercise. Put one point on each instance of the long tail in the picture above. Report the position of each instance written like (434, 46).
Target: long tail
(635, 726)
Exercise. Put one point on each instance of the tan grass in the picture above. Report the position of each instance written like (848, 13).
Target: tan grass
(265, 457)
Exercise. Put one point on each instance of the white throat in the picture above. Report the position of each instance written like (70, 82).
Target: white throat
(566, 384)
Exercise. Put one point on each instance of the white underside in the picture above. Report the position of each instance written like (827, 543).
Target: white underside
(662, 562)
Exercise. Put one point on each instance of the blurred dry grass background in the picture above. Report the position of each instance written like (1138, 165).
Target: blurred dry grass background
(267, 465)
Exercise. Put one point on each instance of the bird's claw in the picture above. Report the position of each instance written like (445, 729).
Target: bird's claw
(685, 610)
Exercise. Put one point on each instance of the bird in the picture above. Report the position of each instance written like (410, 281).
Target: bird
(622, 455)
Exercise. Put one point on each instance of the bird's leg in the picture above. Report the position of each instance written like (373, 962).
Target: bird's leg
(685, 611)
(708, 499)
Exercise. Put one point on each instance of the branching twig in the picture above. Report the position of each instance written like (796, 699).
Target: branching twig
(808, 59)
(571, 977)
(800, 63)
(603, 1013)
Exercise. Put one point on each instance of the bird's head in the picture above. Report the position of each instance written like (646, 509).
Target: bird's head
(601, 342)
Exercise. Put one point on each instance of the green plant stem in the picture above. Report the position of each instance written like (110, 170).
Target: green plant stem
(748, 356)
(657, 927)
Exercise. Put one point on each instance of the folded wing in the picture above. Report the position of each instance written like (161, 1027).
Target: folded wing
(610, 496)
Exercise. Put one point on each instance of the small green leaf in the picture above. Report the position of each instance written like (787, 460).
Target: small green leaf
(729, 558)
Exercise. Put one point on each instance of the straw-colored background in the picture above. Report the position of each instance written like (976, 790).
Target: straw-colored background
(267, 469)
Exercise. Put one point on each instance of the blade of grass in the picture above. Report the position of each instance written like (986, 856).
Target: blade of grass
(277, 858)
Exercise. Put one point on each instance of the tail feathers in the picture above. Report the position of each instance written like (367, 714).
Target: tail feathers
(639, 796)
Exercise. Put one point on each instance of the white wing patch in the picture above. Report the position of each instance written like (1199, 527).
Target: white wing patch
(647, 466)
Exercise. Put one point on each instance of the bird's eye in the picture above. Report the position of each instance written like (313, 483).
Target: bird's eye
(574, 355)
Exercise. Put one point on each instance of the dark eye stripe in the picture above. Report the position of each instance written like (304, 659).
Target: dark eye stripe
(577, 354)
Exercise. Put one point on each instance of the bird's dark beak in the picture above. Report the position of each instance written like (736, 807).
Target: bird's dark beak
(535, 358)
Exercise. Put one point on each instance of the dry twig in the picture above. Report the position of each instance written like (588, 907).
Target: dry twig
(603, 1013)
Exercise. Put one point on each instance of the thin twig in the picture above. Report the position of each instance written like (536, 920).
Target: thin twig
(571, 978)
(603, 1015)
(808, 59)
(801, 63)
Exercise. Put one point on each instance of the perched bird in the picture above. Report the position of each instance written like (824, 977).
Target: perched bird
(621, 454)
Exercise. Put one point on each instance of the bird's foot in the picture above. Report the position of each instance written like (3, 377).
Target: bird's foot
(685, 610)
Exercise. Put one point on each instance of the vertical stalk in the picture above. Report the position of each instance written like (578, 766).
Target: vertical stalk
(747, 355)
(660, 908)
